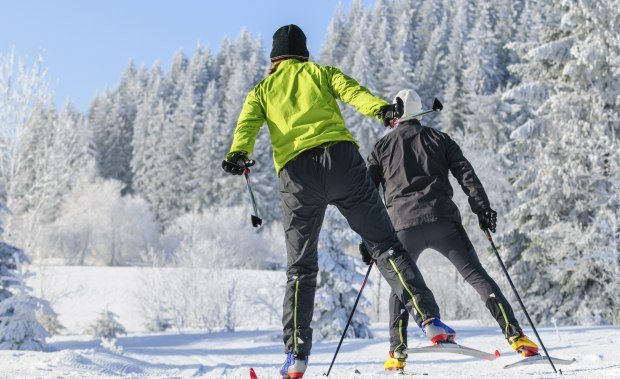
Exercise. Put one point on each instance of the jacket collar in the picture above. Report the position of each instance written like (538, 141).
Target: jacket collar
(286, 62)
(409, 123)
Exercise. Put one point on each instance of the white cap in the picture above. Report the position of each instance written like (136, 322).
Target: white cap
(413, 103)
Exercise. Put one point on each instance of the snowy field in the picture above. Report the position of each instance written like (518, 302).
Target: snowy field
(230, 355)
(79, 293)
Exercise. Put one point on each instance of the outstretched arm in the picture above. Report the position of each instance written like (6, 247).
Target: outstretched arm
(466, 176)
(351, 92)
(251, 119)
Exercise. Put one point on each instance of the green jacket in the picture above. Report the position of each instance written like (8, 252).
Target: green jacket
(298, 102)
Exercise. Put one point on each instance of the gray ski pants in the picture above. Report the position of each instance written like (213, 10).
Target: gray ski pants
(450, 239)
(337, 175)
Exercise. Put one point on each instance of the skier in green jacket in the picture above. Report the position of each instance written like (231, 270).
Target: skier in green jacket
(318, 163)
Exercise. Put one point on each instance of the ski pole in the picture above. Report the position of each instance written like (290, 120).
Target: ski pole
(256, 221)
(488, 234)
(350, 317)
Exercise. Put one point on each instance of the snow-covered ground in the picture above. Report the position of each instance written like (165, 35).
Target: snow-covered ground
(78, 294)
(230, 355)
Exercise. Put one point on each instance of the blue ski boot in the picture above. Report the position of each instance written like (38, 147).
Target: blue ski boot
(294, 366)
(437, 331)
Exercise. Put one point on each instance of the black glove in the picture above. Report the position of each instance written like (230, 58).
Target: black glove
(392, 111)
(236, 163)
(365, 254)
(487, 219)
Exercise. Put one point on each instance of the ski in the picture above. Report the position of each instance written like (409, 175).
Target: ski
(395, 373)
(454, 348)
(539, 359)
(253, 374)
(399, 373)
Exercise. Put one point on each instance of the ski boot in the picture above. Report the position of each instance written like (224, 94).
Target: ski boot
(437, 331)
(523, 345)
(294, 366)
(396, 361)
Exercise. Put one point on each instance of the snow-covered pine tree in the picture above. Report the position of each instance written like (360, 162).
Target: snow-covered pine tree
(429, 16)
(430, 70)
(175, 79)
(212, 147)
(20, 328)
(173, 148)
(146, 163)
(336, 293)
(381, 22)
(178, 138)
(153, 137)
(192, 114)
(106, 325)
(484, 54)
(7, 266)
(51, 323)
(355, 25)
(452, 115)
(336, 41)
(484, 74)
(53, 147)
(24, 89)
(111, 120)
(406, 52)
(565, 156)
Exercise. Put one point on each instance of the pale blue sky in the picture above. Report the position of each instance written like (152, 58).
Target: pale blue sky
(86, 44)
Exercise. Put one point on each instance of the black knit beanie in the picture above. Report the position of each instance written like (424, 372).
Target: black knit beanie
(289, 42)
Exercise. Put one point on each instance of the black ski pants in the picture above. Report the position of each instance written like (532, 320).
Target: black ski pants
(450, 239)
(336, 174)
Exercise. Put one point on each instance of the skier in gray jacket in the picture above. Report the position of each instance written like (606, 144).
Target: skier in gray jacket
(412, 163)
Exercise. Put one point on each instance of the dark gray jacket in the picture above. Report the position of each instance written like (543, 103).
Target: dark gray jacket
(412, 164)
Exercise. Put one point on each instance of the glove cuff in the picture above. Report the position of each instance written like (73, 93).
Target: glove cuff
(236, 154)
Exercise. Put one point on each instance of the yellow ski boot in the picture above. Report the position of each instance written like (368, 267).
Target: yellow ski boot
(396, 361)
(523, 345)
